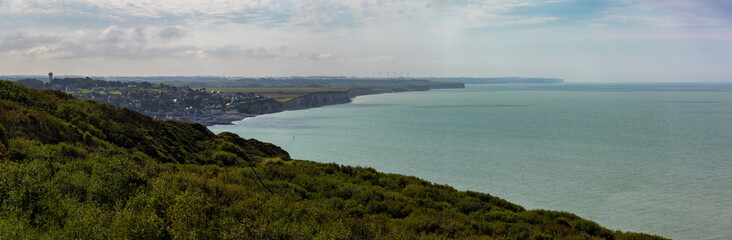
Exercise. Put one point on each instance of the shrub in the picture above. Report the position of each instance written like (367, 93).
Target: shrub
(72, 152)
(3, 137)
(501, 216)
(13, 92)
(592, 228)
(469, 204)
(225, 158)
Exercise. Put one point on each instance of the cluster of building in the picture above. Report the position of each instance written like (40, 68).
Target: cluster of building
(167, 102)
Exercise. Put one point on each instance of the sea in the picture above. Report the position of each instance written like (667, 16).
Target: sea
(642, 157)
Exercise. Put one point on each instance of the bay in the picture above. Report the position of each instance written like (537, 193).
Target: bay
(652, 158)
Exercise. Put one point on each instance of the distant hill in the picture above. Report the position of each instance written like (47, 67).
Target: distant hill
(497, 80)
(72, 169)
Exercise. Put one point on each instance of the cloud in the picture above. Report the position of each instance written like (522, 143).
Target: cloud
(27, 7)
(114, 34)
(330, 15)
(139, 33)
(670, 14)
(482, 19)
(127, 51)
(382, 58)
(113, 41)
(321, 15)
(321, 56)
(171, 33)
(308, 36)
(674, 21)
(136, 43)
(262, 53)
(235, 51)
(24, 40)
(317, 15)
(35, 52)
(130, 43)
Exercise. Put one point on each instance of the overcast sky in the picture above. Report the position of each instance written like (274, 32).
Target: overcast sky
(580, 41)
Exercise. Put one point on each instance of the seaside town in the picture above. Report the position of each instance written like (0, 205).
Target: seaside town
(211, 102)
(159, 101)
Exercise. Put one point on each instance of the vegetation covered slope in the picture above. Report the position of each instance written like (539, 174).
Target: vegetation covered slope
(72, 169)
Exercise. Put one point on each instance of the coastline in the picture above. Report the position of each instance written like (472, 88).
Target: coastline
(227, 119)
(230, 118)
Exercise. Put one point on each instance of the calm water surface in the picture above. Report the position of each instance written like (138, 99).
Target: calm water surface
(653, 158)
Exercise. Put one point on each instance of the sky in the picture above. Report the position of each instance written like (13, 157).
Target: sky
(577, 40)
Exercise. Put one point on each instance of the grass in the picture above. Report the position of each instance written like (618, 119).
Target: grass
(152, 90)
(283, 99)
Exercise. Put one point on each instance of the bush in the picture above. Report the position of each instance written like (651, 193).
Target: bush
(72, 152)
(501, 216)
(13, 92)
(469, 204)
(3, 137)
(592, 228)
(222, 158)
(114, 180)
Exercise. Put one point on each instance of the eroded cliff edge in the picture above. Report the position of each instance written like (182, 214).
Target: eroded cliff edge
(320, 99)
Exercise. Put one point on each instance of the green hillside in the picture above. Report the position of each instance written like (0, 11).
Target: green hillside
(72, 169)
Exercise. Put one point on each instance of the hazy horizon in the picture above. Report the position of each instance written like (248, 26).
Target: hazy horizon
(578, 41)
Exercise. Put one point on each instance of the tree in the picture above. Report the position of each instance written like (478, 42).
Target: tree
(32, 83)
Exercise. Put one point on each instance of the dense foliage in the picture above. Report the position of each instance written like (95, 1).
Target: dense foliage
(72, 169)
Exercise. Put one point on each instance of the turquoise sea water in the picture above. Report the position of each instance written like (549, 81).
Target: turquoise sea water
(653, 158)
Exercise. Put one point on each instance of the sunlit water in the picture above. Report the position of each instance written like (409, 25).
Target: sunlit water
(653, 158)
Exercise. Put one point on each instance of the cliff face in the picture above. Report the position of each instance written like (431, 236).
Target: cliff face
(302, 102)
(262, 106)
(497, 80)
(317, 100)
(447, 85)
(329, 98)
(355, 92)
